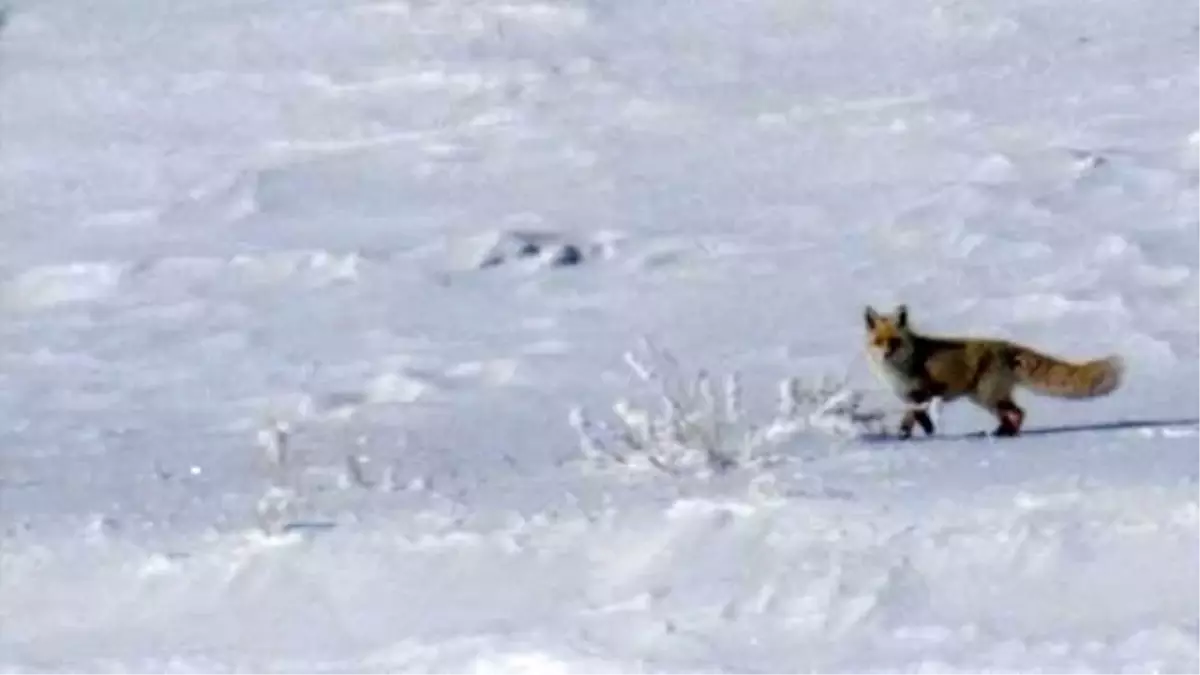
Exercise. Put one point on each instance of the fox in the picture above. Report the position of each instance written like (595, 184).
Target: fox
(920, 368)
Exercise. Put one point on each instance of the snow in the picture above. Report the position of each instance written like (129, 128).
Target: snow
(416, 236)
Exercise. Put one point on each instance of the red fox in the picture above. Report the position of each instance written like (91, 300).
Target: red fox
(920, 368)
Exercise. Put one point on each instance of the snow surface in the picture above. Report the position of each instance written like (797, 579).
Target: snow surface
(419, 233)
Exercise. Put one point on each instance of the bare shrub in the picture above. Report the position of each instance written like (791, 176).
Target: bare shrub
(688, 422)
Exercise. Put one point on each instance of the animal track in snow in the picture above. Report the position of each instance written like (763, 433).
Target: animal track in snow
(311, 267)
(50, 285)
(494, 372)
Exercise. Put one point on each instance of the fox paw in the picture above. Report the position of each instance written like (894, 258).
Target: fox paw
(1010, 423)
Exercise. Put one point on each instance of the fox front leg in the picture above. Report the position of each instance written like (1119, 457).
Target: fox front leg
(917, 413)
(912, 417)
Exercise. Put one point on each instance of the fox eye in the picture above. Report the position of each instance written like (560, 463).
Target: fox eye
(889, 345)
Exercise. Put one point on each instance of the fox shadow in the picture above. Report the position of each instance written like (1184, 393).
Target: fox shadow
(1118, 425)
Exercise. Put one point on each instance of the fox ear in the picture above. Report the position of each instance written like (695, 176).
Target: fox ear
(871, 317)
(902, 316)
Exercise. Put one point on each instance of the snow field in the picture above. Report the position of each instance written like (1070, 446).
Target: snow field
(420, 233)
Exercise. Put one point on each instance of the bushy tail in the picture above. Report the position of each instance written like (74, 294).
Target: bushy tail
(1055, 377)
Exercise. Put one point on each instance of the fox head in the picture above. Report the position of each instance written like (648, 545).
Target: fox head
(889, 337)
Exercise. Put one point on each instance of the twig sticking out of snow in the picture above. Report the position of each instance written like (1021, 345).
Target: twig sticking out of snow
(355, 472)
(693, 425)
(273, 440)
(275, 508)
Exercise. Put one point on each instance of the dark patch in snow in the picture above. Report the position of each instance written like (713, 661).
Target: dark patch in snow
(548, 249)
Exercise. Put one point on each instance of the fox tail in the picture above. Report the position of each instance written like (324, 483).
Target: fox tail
(1052, 376)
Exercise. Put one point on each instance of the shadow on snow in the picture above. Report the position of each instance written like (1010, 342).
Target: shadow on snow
(1119, 425)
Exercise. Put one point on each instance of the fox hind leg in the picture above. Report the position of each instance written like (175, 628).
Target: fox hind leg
(1011, 417)
(994, 394)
